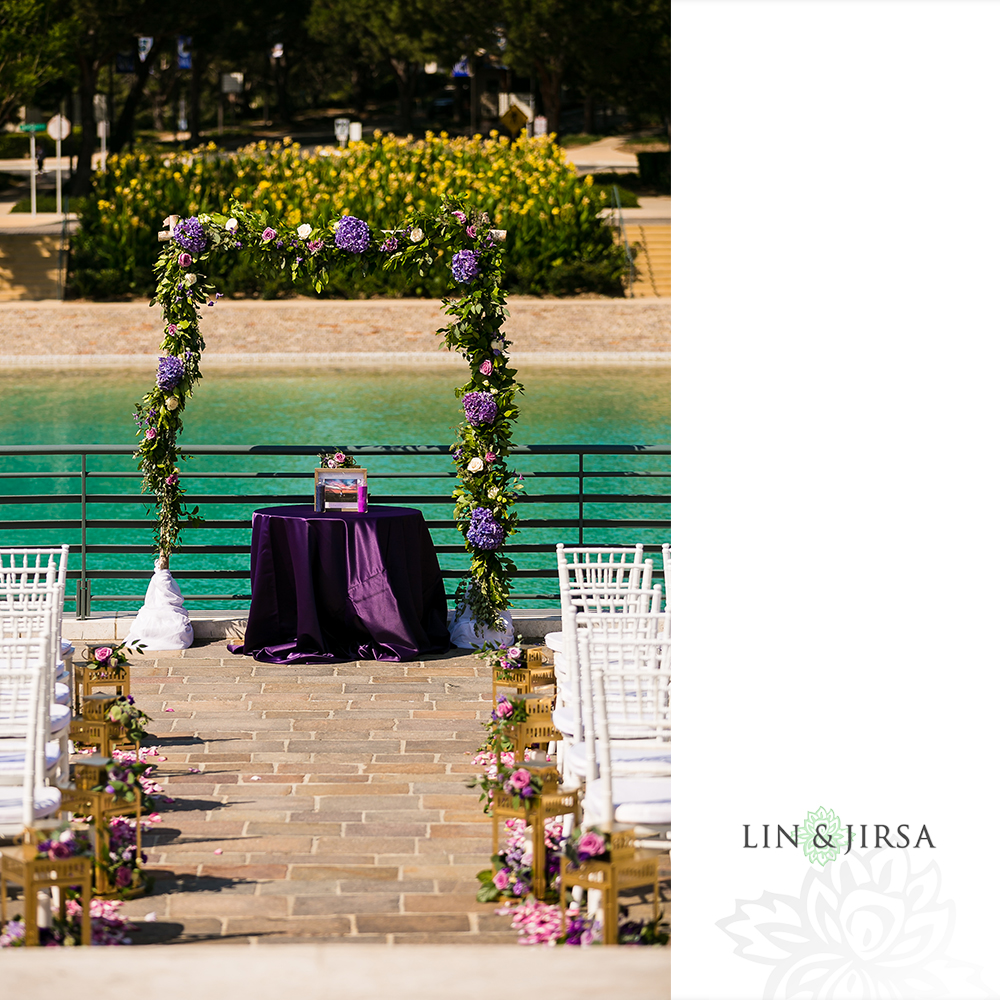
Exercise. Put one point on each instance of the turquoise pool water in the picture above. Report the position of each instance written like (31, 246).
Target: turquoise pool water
(328, 406)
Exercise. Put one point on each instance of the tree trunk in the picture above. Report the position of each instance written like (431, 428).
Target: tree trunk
(588, 114)
(550, 84)
(406, 85)
(359, 88)
(284, 98)
(194, 99)
(124, 131)
(89, 69)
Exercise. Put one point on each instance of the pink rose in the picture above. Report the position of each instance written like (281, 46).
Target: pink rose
(340, 457)
(150, 433)
(471, 231)
(520, 779)
(314, 246)
(268, 235)
(61, 851)
(501, 880)
(486, 368)
(172, 479)
(102, 654)
(122, 877)
(505, 709)
(185, 260)
(514, 652)
(591, 844)
(460, 216)
(490, 457)
(172, 329)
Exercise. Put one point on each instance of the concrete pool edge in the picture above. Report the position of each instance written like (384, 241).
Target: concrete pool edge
(394, 359)
(113, 626)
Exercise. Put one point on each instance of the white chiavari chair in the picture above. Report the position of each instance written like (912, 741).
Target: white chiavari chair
(23, 731)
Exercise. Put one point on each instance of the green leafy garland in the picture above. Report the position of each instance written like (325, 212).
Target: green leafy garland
(457, 237)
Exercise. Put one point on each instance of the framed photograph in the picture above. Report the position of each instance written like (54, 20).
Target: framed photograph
(337, 489)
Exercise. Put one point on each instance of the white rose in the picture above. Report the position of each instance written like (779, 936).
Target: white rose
(232, 225)
(417, 235)
(172, 402)
(304, 230)
(476, 465)
(190, 279)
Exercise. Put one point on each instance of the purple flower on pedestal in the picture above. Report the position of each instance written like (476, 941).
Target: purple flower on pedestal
(465, 266)
(353, 234)
(169, 372)
(480, 408)
(190, 235)
(484, 532)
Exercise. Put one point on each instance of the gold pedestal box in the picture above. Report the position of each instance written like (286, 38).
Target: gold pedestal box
(629, 868)
(551, 801)
(21, 866)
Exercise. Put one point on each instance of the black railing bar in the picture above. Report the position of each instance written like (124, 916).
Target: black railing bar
(245, 524)
(246, 597)
(291, 449)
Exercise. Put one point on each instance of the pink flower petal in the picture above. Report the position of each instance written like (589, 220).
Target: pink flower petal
(218, 850)
(168, 710)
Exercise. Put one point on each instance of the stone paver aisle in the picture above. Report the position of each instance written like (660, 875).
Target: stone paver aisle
(329, 801)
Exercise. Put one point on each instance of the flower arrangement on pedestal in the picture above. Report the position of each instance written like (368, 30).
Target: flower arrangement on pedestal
(512, 872)
(107, 927)
(129, 716)
(336, 460)
(487, 488)
(122, 859)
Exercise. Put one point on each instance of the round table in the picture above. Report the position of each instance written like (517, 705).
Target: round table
(336, 586)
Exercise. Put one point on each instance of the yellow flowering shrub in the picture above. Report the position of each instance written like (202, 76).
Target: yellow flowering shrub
(557, 242)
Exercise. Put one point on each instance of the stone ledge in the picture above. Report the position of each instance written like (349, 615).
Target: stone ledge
(531, 623)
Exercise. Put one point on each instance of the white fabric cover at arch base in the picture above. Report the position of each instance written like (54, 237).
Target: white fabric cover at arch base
(463, 631)
(162, 622)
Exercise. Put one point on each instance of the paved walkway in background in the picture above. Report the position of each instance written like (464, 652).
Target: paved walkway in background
(310, 326)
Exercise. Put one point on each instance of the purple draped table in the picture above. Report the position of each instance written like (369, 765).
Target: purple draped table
(339, 586)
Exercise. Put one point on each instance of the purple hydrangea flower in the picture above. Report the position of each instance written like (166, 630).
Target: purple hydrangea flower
(190, 235)
(169, 372)
(389, 245)
(465, 266)
(484, 532)
(480, 408)
(353, 234)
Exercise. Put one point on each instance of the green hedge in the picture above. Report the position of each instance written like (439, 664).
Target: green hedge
(557, 242)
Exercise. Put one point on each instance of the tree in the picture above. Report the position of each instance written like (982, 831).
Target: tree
(543, 39)
(34, 50)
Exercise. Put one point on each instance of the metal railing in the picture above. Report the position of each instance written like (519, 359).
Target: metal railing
(108, 542)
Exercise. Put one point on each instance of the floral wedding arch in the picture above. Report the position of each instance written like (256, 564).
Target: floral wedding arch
(456, 236)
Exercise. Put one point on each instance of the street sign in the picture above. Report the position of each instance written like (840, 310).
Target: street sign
(341, 129)
(33, 127)
(145, 44)
(183, 51)
(58, 127)
(541, 125)
(232, 83)
(461, 68)
(514, 119)
(103, 130)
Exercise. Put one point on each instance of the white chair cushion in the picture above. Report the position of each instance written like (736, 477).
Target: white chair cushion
(59, 716)
(47, 801)
(624, 759)
(554, 640)
(12, 757)
(61, 694)
(636, 800)
(67, 648)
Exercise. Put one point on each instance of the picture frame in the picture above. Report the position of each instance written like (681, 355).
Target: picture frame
(337, 489)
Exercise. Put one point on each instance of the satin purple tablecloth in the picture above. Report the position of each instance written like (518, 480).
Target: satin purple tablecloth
(339, 586)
